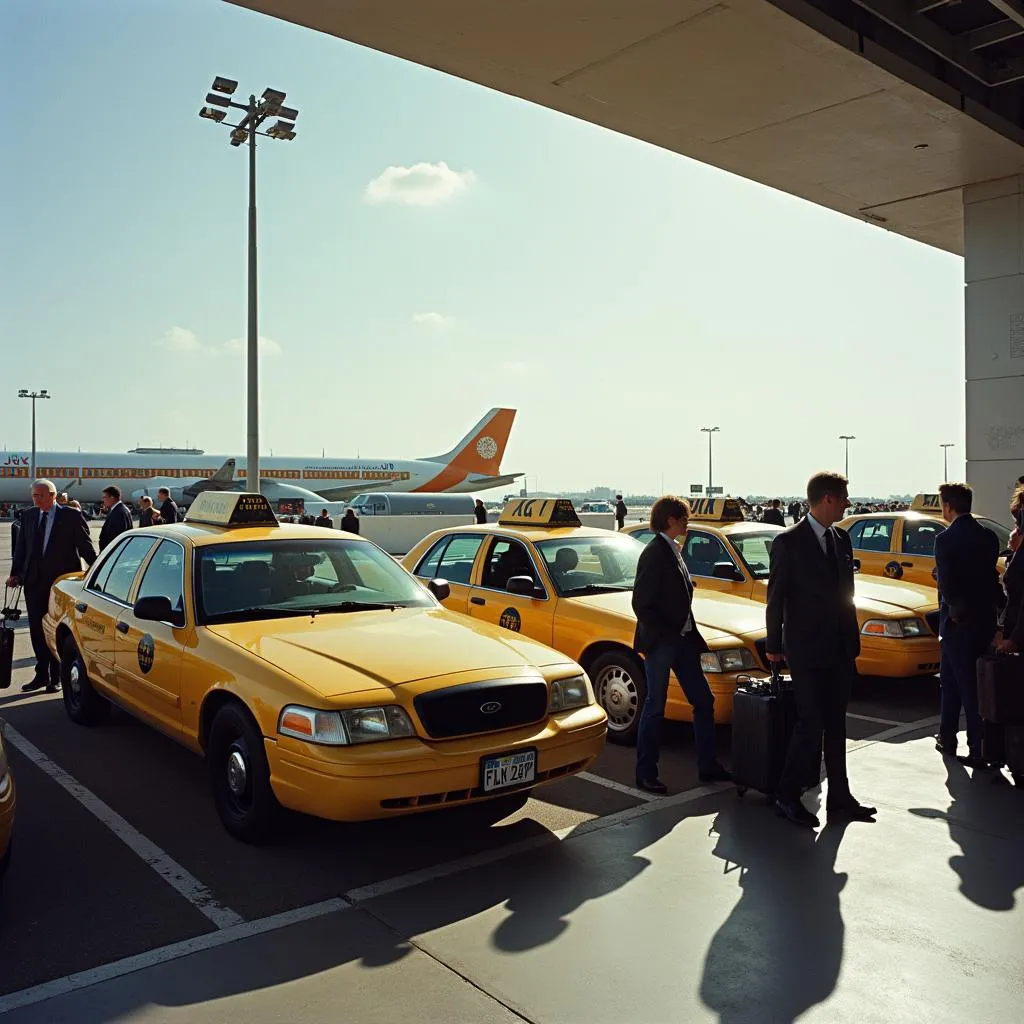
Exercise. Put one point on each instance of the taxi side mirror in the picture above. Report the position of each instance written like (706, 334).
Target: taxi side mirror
(153, 609)
(727, 571)
(521, 585)
(440, 589)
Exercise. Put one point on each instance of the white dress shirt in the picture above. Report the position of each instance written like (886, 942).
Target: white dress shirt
(677, 551)
(50, 516)
(819, 532)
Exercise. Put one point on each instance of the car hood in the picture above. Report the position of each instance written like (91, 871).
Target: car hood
(879, 596)
(355, 651)
(719, 616)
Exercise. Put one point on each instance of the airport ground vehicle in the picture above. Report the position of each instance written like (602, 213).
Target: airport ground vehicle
(312, 671)
(385, 504)
(8, 800)
(899, 621)
(901, 545)
(538, 572)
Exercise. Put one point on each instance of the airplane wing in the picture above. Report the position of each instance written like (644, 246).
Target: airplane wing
(342, 492)
(482, 483)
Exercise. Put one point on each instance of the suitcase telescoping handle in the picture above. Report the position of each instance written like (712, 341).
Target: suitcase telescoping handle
(776, 675)
(10, 611)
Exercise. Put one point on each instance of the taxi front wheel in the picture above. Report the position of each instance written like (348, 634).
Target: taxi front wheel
(620, 688)
(240, 776)
(82, 703)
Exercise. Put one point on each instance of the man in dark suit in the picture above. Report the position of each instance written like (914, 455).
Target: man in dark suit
(118, 518)
(147, 514)
(773, 514)
(168, 508)
(52, 541)
(668, 639)
(811, 616)
(970, 597)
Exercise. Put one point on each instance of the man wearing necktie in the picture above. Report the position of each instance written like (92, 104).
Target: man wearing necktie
(52, 541)
(811, 617)
(668, 638)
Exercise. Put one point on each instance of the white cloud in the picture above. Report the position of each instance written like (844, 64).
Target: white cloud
(179, 339)
(267, 346)
(419, 185)
(432, 319)
(182, 341)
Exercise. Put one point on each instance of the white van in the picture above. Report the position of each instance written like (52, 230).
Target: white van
(384, 504)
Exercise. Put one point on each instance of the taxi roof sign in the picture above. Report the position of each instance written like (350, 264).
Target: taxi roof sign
(231, 508)
(926, 503)
(719, 510)
(539, 512)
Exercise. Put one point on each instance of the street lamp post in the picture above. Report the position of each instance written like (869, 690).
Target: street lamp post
(847, 438)
(246, 130)
(709, 431)
(23, 393)
(945, 461)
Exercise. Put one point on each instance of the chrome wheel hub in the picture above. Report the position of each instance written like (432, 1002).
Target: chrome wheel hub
(237, 774)
(75, 680)
(617, 694)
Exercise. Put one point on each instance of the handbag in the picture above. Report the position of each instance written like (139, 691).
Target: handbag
(8, 617)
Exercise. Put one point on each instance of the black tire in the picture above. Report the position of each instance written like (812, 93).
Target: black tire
(5, 861)
(82, 703)
(240, 776)
(620, 688)
(740, 790)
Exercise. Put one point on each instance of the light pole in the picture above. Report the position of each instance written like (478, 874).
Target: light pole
(246, 130)
(709, 431)
(23, 393)
(847, 438)
(945, 462)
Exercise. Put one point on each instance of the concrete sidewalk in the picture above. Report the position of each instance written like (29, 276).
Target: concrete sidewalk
(707, 910)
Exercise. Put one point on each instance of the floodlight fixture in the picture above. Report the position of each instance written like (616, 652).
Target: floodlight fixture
(238, 136)
(290, 113)
(283, 130)
(224, 85)
(23, 393)
(218, 98)
(213, 115)
(273, 97)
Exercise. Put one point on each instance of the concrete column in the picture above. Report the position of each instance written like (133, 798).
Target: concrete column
(994, 341)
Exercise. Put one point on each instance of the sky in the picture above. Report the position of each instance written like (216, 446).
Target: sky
(429, 249)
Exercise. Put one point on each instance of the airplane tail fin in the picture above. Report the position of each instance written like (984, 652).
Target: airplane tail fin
(480, 451)
(226, 473)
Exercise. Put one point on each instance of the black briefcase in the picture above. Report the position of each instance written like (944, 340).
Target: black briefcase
(9, 615)
(1001, 687)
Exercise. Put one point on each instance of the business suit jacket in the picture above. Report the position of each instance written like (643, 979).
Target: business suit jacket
(773, 516)
(146, 516)
(69, 545)
(662, 598)
(118, 520)
(168, 511)
(1013, 613)
(970, 594)
(810, 615)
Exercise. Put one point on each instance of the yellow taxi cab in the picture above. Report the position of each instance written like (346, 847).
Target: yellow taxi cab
(901, 545)
(538, 572)
(899, 622)
(7, 802)
(312, 671)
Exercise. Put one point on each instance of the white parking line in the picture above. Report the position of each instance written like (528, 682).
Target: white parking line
(895, 733)
(877, 721)
(165, 866)
(637, 794)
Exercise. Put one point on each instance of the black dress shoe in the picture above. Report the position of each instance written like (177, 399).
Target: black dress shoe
(945, 749)
(975, 761)
(717, 774)
(35, 684)
(850, 810)
(651, 785)
(794, 811)
(53, 686)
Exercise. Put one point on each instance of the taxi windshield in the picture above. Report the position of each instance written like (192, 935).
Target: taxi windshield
(1000, 531)
(591, 565)
(277, 578)
(755, 549)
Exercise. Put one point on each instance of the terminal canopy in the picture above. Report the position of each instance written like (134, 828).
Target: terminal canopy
(231, 508)
(539, 512)
(927, 503)
(717, 510)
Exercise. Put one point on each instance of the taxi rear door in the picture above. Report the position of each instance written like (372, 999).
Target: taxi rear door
(149, 653)
(916, 544)
(451, 559)
(489, 599)
(873, 543)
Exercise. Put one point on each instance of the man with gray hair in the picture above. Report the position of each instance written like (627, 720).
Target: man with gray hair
(53, 540)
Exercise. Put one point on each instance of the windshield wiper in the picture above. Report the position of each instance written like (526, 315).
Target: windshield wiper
(352, 606)
(595, 588)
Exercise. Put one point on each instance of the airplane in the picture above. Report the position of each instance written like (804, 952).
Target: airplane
(474, 464)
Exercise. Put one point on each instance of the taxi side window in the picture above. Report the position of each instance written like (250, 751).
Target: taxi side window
(118, 582)
(644, 536)
(428, 565)
(165, 577)
(702, 551)
(919, 538)
(456, 564)
(874, 534)
(105, 567)
(507, 558)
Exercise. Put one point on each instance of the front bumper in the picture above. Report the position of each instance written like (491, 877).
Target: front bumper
(897, 658)
(723, 689)
(402, 776)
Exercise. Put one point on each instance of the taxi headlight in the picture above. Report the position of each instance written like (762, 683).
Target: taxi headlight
(735, 659)
(342, 728)
(569, 693)
(896, 628)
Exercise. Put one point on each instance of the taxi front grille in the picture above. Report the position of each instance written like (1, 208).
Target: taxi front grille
(482, 707)
(932, 618)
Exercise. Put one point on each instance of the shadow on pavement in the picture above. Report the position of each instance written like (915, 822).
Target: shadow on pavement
(780, 950)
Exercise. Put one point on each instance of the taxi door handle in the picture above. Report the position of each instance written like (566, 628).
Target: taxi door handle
(123, 627)
(477, 600)
(908, 565)
(81, 606)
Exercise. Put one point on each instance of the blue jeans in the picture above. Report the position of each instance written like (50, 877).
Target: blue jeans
(680, 655)
(958, 678)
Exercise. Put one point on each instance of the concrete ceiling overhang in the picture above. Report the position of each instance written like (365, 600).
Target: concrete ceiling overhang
(837, 101)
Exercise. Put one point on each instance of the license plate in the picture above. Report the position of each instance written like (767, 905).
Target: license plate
(502, 771)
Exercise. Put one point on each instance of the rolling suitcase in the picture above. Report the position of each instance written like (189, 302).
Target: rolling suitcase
(763, 717)
(8, 617)
(1001, 688)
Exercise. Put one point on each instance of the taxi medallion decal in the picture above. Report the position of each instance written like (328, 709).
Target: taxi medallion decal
(893, 570)
(145, 651)
(510, 619)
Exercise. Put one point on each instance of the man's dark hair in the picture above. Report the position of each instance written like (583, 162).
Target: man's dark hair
(162, 490)
(670, 505)
(113, 491)
(776, 503)
(959, 497)
(822, 484)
